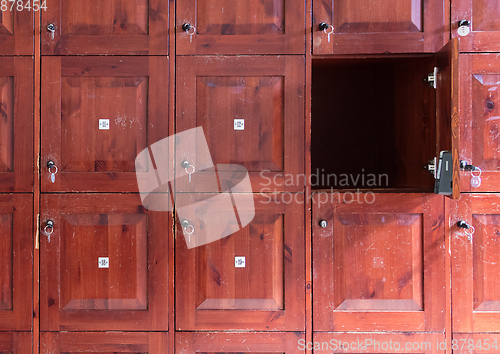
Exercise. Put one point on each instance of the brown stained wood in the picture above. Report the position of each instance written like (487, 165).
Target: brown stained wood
(381, 26)
(104, 342)
(376, 262)
(476, 343)
(265, 295)
(116, 27)
(232, 27)
(257, 342)
(132, 92)
(75, 293)
(268, 93)
(484, 33)
(479, 125)
(374, 343)
(475, 263)
(16, 265)
(16, 127)
(16, 342)
(16, 32)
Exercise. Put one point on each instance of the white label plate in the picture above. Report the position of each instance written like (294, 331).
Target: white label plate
(103, 262)
(239, 262)
(239, 124)
(103, 124)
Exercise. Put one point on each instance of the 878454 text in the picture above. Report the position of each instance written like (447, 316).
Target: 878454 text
(23, 5)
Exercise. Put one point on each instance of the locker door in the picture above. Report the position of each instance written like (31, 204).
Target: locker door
(104, 342)
(484, 24)
(16, 30)
(263, 293)
(16, 125)
(221, 343)
(475, 263)
(16, 342)
(480, 127)
(98, 113)
(16, 262)
(367, 26)
(240, 27)
(265, 95)
(105, 265)
(378, 262)
(118, 27)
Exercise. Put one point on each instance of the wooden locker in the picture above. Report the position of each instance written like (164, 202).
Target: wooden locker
(483, 24)
(112, 27)
(16, 126)
(16, 342)
(105, 265)
(16, 266)
(479, 125)
(381, 26)
(266, 293)
(104, 342)
(128, 95)
(378, 263)
(242, 342)
(475, 263)
(267, 94)
(16, 30)
(240, 27)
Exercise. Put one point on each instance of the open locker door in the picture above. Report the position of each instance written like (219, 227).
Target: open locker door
(447, 163)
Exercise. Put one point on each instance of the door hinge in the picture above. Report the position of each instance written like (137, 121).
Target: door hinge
(442, 170)
(37, 233)
(431, 78)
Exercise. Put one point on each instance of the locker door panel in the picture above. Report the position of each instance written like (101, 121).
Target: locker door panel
(16, 126)
(265, 94)
(480, 79)
(475, 268)
(365, 26)
(16, 266)
(244, 27)
(16, 342)
(97, 115)
(484, 35)
(16, 31)
(104, 342)
(265, 293)
(105, 267)
(117, 27)
(375, 263)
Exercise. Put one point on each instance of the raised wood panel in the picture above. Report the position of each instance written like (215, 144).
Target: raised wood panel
(104, 343)
(16, 258)
(480, 129)
(130, 92)
(16, 31)
(267, 93)
(16, 342)
(376, 262)
(484, 33)
(243, 27)
(365, 26)
(118, 27)
(267, 293)
(222, 343)
(475, 263)
(77, 292)
(16, 126)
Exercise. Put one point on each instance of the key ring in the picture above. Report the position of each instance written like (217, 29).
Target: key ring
(190, 228)
(187, 169)
(477, 169)
(50, 169)
(49, 228)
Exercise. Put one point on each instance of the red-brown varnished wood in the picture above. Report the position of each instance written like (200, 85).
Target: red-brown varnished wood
(365, 26)
(479, 120)
(16, 342)
(131, 92)
(265, 295)
(236, 27)
(476, 343)
(377, 262)
(476, 263)
(75, 294)
(421, 343)
(104, 342)
(268, 93)
(16, 127)
(117, 27)
(256, 342)
(16, 265)
(16, 31)
(484, 33)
